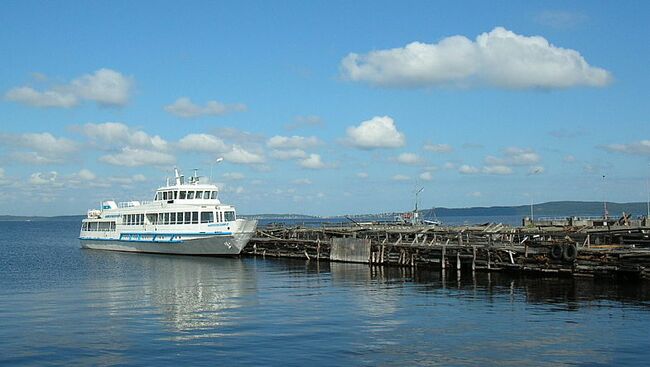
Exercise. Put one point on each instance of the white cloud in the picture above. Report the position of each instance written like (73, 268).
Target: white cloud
(233, 176)
(86, 175)
(202, 143)
(288, 154)
(42, 148)
(499, 58)
(378, 132)
(185, 108)
(468, 170)
(48, 98)
(497, 170)
(312, 162)
(426, 176)
(408, 158)
(292, 142)
(438, 148)
(139, 177)
(514, 156)
(400, 178)
(362, 175)
(117, 133)
(40, 178)
(449, 165)
(301, 181)
(242, 156)
(133, 157)
(105, 86)
(640, 148)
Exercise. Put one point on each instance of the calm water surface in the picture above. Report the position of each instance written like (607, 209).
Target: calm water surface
(60, 305)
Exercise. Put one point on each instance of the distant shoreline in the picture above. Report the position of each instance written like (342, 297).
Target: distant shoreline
(548, 209)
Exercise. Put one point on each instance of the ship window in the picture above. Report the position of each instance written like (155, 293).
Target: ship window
(172, 219)
(179, 218)
(207, 217)
(166, 221)
(199, 195)
(190, 195)
(175, 195)
(112, 226)
(229, 216)
(195, 217)
(214, 195)
(182, 195)
(141, 218)
(188, 218)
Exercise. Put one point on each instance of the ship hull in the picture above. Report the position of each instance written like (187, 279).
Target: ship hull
(231, 244)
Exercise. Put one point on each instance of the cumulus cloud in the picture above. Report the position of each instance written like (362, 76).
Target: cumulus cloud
(362, 175)
(515, 156)
(39, 148)
(202, 143)
(238, 154)
(488, 170)
(39, 178)
(313, 161)
(378, 132)
(86, 175)
(638, 148)
(468, 170)
(499, 58)
(133, 157)
(106, 87)
(288, 154)
(400, 178)
(292, 142)
(408, 158)
(438, 148)
(185, 108)
(497, 170)
(117, 133)
(426, 176)
(302, 181)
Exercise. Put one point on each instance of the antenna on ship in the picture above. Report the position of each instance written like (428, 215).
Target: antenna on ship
(217, 161)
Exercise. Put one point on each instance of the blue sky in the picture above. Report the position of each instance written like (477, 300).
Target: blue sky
(324, 107)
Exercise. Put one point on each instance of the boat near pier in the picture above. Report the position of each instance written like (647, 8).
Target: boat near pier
(183, 218)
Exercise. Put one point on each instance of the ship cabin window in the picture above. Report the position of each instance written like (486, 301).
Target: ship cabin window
(195, 217)
(229, 216)
(198, 195)
(188, 218)
(99, 226)
(190, 195)
(207, 217)
(175, 195)
(172, 218)
(182, 195)
(214, 195)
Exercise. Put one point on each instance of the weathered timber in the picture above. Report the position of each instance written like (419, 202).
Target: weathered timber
(576, 251)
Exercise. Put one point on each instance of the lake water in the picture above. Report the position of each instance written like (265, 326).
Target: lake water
(61, 305)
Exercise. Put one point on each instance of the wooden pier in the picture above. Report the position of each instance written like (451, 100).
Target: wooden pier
(574, 251)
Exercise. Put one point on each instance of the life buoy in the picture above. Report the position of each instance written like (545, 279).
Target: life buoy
(557, 251)
(570, 252)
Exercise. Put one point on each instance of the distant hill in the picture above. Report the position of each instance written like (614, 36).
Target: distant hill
(550, 209)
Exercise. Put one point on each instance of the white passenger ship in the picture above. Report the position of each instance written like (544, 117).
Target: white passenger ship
(184, 218)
